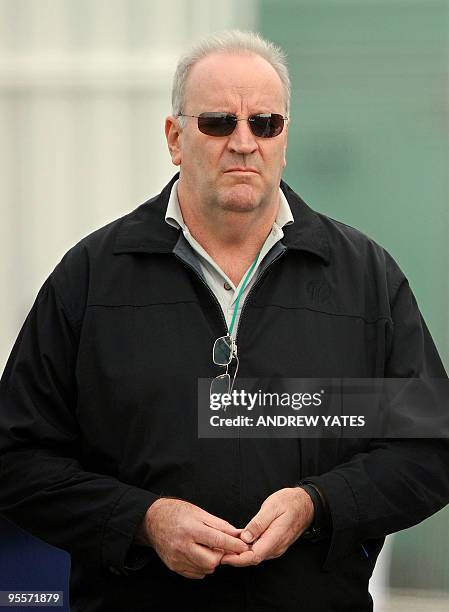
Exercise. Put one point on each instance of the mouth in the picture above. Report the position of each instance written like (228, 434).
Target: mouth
(245, 169)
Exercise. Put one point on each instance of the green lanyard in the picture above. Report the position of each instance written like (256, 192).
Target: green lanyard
(239, 295)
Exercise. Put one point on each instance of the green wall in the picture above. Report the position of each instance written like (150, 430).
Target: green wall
(369, 129)
(369, 146)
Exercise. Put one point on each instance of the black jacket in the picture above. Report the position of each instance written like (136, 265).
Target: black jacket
(98, 412)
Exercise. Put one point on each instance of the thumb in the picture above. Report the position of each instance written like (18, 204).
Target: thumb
(257, 525)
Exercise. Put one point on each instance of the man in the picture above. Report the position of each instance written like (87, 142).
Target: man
(99, 447)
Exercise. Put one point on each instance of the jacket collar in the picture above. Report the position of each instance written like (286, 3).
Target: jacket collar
(145, 230)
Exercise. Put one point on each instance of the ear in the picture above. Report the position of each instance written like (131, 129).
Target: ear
(173, 133)
(284, 161)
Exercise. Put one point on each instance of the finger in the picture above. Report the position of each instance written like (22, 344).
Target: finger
(217, 523)
(192, 575)
(271, 542)
(187, 569)
(217, 539)
(238, 531)
(259, 523)
(203, 558)
(186, 565)
(243, 560)
(190, 570)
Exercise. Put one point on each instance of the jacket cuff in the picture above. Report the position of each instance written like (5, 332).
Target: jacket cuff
(344, 515)
(118, 546)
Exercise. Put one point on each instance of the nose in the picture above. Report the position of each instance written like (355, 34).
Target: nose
(242, 140)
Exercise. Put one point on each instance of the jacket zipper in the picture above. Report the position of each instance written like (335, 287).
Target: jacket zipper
(187, 265)
(257, 282)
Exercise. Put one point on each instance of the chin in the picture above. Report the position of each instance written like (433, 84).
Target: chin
(240, 198)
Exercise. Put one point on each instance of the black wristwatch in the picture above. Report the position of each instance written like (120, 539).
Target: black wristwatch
(321, 520)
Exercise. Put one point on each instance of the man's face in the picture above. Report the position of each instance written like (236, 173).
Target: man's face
(239, 172)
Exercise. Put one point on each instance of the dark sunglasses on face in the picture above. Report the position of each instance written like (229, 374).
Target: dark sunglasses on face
(262, 125)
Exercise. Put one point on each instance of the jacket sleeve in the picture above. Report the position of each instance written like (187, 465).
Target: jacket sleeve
(395, 483)
(43, 486)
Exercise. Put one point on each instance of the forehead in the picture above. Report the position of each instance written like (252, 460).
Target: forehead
(229, 80)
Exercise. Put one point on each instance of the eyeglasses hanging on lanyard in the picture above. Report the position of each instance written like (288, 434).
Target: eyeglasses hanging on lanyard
(225, 347)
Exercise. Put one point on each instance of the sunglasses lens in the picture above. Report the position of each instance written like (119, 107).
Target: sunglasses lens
(222, 351)
(266, 125)
(263, 125)
(216, 124)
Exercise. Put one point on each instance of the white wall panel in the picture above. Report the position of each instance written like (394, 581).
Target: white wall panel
(84, 90)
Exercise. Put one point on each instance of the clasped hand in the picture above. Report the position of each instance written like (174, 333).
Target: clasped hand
(193, 542)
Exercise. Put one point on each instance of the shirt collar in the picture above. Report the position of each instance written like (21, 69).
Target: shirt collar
(145, 230)
(173, 215)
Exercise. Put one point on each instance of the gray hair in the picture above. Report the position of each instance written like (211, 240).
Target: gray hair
(229, 41)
